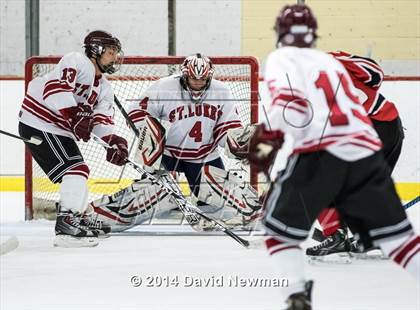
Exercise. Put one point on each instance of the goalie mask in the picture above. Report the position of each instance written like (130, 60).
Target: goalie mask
(197, 71)
(95, 44)
(296, 26)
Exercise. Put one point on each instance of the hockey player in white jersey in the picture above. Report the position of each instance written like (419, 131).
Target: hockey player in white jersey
(67, 105)
(199, 113)
(336, 159)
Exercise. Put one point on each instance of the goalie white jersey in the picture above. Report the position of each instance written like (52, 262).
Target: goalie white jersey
(196, 129)
(313, 99)
(72, 82)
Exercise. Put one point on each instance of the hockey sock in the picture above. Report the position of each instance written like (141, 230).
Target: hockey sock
(329, 219)
(405, 251)
(287, 259)
(73, 193)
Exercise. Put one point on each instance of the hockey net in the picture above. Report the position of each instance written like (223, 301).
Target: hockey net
(133, 78)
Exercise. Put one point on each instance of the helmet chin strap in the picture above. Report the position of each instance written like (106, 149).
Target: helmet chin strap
(190, 91)
(99, 66)
(105, 69)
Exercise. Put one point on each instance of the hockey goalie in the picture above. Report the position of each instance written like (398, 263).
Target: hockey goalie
(182, 120)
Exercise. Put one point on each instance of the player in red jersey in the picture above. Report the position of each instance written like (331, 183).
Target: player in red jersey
(336, 159)
(367, 77)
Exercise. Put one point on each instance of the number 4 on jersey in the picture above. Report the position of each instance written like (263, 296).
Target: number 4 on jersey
(196, 132)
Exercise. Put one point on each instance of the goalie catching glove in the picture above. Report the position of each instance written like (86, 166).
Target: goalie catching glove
(237, 142)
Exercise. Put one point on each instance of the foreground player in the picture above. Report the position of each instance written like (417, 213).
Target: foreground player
(336, 158)
(65, 106)
(201, 114)
(367, 77)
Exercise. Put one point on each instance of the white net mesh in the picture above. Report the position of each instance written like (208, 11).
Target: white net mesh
(128, 84)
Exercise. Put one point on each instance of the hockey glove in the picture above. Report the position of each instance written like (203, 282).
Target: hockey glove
(118, 154)
(263, 148)
(237, 141)
(80, 119)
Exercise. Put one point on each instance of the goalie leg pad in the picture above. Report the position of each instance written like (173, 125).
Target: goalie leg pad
(225, 189)
(133, 205)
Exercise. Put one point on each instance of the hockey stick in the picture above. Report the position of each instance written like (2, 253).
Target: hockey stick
(412, 202)
(33, 140)
(9, 245)
(189, 210)
(127, 118)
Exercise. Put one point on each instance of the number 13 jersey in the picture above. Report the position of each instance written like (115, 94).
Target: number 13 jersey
(72, 82)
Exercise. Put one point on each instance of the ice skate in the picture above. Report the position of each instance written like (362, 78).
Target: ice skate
(302, 300)
(334, 248)
(228, 216)
(359, 252)
(318, 235)
(103, 229)
(71, 232)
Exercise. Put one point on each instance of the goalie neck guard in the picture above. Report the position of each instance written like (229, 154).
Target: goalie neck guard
(196, 67)
(95, 44)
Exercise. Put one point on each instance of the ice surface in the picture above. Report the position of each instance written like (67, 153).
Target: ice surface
(39, 276)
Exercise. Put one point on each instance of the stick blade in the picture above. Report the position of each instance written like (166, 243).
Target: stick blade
(9, 245)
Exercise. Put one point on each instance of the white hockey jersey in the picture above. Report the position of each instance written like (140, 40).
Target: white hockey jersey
(72, 82)
(196, 129)
(313, 99)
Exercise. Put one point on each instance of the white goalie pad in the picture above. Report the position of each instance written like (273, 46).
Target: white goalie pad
(140, 202)
(237, 141)
(224, 189)
(150, 144)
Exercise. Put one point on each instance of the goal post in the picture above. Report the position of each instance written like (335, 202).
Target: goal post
(240, 73)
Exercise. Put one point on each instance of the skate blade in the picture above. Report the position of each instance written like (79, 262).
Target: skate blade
(258, 243)
(336, 258)
(104, 236)
(370, 255)
(66, 241)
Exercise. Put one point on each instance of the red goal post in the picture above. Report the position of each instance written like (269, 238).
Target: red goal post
(137, 73)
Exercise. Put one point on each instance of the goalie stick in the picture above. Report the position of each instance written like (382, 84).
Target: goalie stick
(33, 140)
(190, 211)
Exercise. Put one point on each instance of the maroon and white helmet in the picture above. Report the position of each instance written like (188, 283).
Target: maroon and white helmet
(198, 67)
(96, 42)
(296, 26)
